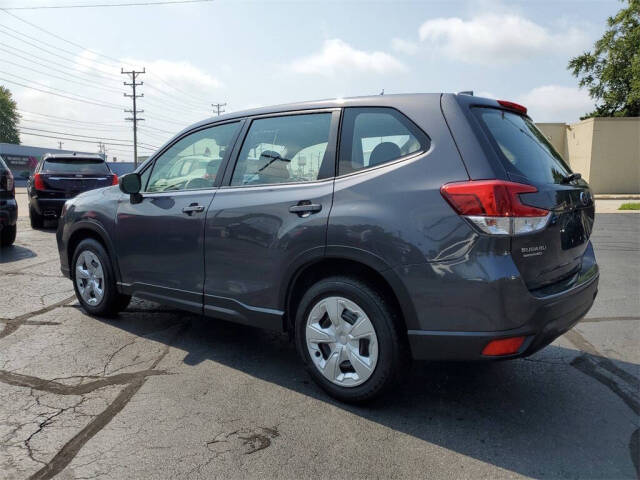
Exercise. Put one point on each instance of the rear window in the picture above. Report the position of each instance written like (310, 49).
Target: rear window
(523, 148)
(80, 166)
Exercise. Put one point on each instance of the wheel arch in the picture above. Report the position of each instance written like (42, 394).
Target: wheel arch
(88, 229)
(362, 265)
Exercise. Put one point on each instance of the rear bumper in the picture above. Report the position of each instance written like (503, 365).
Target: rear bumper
(48, 206)
(553, 316)
(8, 212)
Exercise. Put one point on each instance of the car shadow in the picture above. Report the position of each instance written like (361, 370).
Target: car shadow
(555, 414)
(15, 253)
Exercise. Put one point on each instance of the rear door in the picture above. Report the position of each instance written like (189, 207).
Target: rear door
(67, 177)
(555, 253)
(270, 216)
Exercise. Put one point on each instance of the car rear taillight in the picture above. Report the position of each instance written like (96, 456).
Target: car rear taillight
(516, 107)
(494, 206)
(38, 182)
(6, 181)
(114, 180)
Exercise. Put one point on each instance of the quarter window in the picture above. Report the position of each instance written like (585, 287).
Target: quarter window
(374, 136)
(192, 162)
(284, 149)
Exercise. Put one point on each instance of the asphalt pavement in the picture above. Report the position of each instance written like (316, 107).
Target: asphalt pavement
(158, 393)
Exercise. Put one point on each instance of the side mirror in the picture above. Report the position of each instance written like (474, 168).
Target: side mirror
(130, 183)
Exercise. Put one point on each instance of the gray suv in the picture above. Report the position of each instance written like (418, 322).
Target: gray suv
(376, 230)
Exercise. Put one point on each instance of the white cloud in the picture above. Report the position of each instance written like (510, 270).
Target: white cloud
(497, 38)
(404, 46)
(338, 56)
(556, 103)
(183, 74)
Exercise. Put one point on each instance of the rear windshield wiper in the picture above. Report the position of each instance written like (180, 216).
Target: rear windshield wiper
(570, 178)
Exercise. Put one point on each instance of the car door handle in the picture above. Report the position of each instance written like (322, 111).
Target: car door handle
(305, 209)
(194, 207)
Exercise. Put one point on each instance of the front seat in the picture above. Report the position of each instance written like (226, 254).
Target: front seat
(383, 153)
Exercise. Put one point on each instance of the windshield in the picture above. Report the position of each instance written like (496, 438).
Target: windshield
(75, 166)
(523, 148)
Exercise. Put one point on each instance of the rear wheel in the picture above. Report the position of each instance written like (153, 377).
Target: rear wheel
(347, 336)
(94, 281)
(36, 219)
(8, 235)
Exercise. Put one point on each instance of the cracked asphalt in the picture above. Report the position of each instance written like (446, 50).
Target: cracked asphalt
(158, 393)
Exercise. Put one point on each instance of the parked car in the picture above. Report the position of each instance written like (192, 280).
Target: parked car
(59, 177)
(8, 206)
(375, 230)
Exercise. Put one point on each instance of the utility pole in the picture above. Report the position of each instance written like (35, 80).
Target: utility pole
(59, 145)
(134, 118)
(217, 107)
(102, 148)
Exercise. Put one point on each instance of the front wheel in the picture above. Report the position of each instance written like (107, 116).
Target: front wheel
(348, 337)
(94, 281)
(8, 235)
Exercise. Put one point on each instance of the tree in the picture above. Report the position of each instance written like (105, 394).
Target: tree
(8, 117)
(612, 71)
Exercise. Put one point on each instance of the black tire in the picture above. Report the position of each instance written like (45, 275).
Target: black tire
(112, 301)
(37, 220)
(392, 359)
(8, 235)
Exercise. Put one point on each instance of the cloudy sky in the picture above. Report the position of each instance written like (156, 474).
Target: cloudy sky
(63, 65)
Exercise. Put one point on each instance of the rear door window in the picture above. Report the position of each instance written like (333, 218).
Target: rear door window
(523, 149)
(284, 149)
(75, 166)
(375, 136)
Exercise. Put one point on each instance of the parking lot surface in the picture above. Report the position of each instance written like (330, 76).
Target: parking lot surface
(158, 393)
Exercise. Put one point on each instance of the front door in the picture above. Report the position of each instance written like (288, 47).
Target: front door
(271, 215)
(160, 236)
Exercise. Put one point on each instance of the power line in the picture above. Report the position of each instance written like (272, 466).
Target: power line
(40, 29)
(102, 5)
(81, 136)
(18, 32)
(78, 140)
(56, 89)
(193, 98)
(59, 94)
(72, 60)
(66, 125)
(48, 74)
(3, 47)
(67, 119)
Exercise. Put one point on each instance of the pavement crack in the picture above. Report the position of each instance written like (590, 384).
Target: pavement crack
(73, 446)
(112, 356)
(604, 370)
(608, 319)
(51, 386)
(133, 381)
(12, 324)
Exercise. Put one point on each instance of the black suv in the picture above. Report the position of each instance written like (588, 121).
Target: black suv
(375, 230)
(8, 206)
(58, 177)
